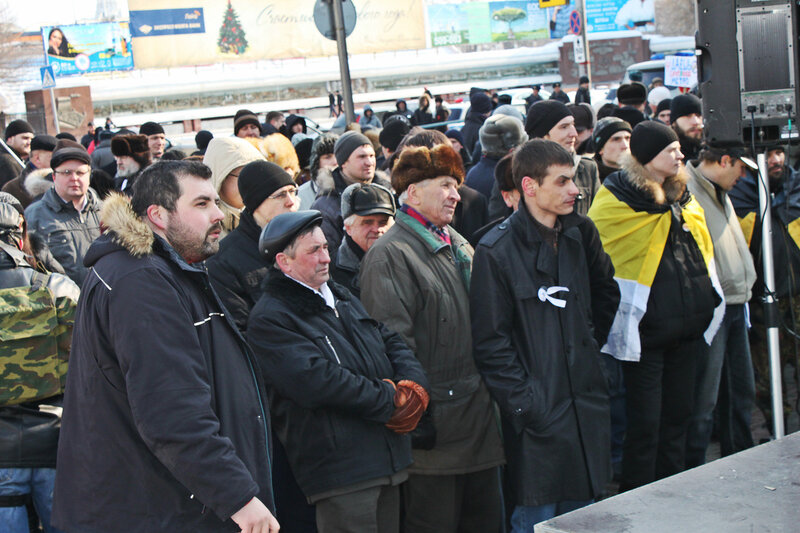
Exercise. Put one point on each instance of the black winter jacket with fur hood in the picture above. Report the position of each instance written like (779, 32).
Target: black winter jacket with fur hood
(682, 298)
(165, 423)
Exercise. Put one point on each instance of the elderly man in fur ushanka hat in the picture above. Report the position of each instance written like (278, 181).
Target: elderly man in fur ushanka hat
(132, 154)
(415, 279)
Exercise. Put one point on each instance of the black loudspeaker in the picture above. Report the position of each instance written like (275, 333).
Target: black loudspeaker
(747, 70)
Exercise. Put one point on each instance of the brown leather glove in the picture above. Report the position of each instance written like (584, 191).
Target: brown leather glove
(410, 402)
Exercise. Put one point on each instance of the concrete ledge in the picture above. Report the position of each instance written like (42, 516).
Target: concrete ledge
(757, 490)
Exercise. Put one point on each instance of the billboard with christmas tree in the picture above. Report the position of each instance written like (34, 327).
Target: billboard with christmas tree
(169, 33)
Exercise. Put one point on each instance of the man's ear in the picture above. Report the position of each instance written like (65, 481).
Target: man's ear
(725, 161)
(529, 186)
(157, 215)
(281, 259)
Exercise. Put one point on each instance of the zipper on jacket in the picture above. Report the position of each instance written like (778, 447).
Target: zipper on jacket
(333, 349)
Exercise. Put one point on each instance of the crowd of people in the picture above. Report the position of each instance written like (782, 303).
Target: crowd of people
(392, 329)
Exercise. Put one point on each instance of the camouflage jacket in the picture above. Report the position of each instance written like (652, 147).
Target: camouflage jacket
(28, 434)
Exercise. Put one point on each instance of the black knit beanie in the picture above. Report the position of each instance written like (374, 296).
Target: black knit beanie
(683, 105)
(15, 127)
(202, 139)
(664, 105)
(606, 128)
(260, 179)
(543, 116)
(649, 138)
(151, 128)
(347, 144)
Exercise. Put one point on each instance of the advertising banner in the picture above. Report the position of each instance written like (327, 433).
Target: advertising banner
(485, 22)
(80, 48)
(170, 33)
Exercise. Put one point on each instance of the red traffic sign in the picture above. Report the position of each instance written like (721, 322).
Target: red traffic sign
(575, 22)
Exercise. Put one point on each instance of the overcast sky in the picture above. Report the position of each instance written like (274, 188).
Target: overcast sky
(32, 14)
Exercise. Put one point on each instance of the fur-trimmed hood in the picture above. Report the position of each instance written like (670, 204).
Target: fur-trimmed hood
(126, 228)
(38, 182)
(668, 192)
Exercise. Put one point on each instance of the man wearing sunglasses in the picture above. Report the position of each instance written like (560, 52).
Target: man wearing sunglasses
(67, 218)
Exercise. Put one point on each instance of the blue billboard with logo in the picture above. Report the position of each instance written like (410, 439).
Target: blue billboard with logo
(80, 48)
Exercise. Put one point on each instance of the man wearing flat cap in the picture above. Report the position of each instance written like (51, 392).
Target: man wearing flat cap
(671, 301)
(238, 269)
(710, 179)
(246, 124)
(35, 178)
(132, 154)
(551, 120)
(18, 137)
(156, 140)
(67, 217)
(344, 390)
(356, 159)
(686, 116)
(416, 279)
(368, 211)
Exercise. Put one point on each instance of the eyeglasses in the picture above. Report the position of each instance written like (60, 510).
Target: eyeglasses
(70, 172)
(283, 195)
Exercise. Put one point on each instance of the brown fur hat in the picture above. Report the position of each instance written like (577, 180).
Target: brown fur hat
(134, 146)
(420, 163)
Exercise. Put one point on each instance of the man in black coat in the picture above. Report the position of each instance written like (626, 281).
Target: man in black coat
(537, 340)
(344, 389)
(165, 423)
(238, 269)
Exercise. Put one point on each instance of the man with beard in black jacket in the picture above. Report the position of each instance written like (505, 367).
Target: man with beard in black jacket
(344, 389)
(686, 118)
(159, 370)
(558, 457)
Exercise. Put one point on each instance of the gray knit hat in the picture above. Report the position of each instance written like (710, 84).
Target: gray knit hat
(347, 144)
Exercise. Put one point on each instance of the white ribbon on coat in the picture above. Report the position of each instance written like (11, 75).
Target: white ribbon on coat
(545, 295)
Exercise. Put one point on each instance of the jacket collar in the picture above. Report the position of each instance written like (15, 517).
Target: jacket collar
(547, 260)
(248, 226)
(54, 202)
(347, 258)
(301, 300)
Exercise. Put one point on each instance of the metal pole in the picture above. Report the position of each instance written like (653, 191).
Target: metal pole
(771, 319)
(344, 67)
(587, 66)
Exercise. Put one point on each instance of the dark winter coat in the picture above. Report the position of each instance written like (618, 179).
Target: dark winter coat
(28, 434)
(472, 125)
(347, 265)
(67, 232)
(165, 422)
(583, 96)
(561, 96)
(785, 195)
(418, 286)
(238, 269)
(542, 363)
(682, 298)
(9, 167)
(471, 212)
(325, 370)
(481, 176)
(329, 203)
